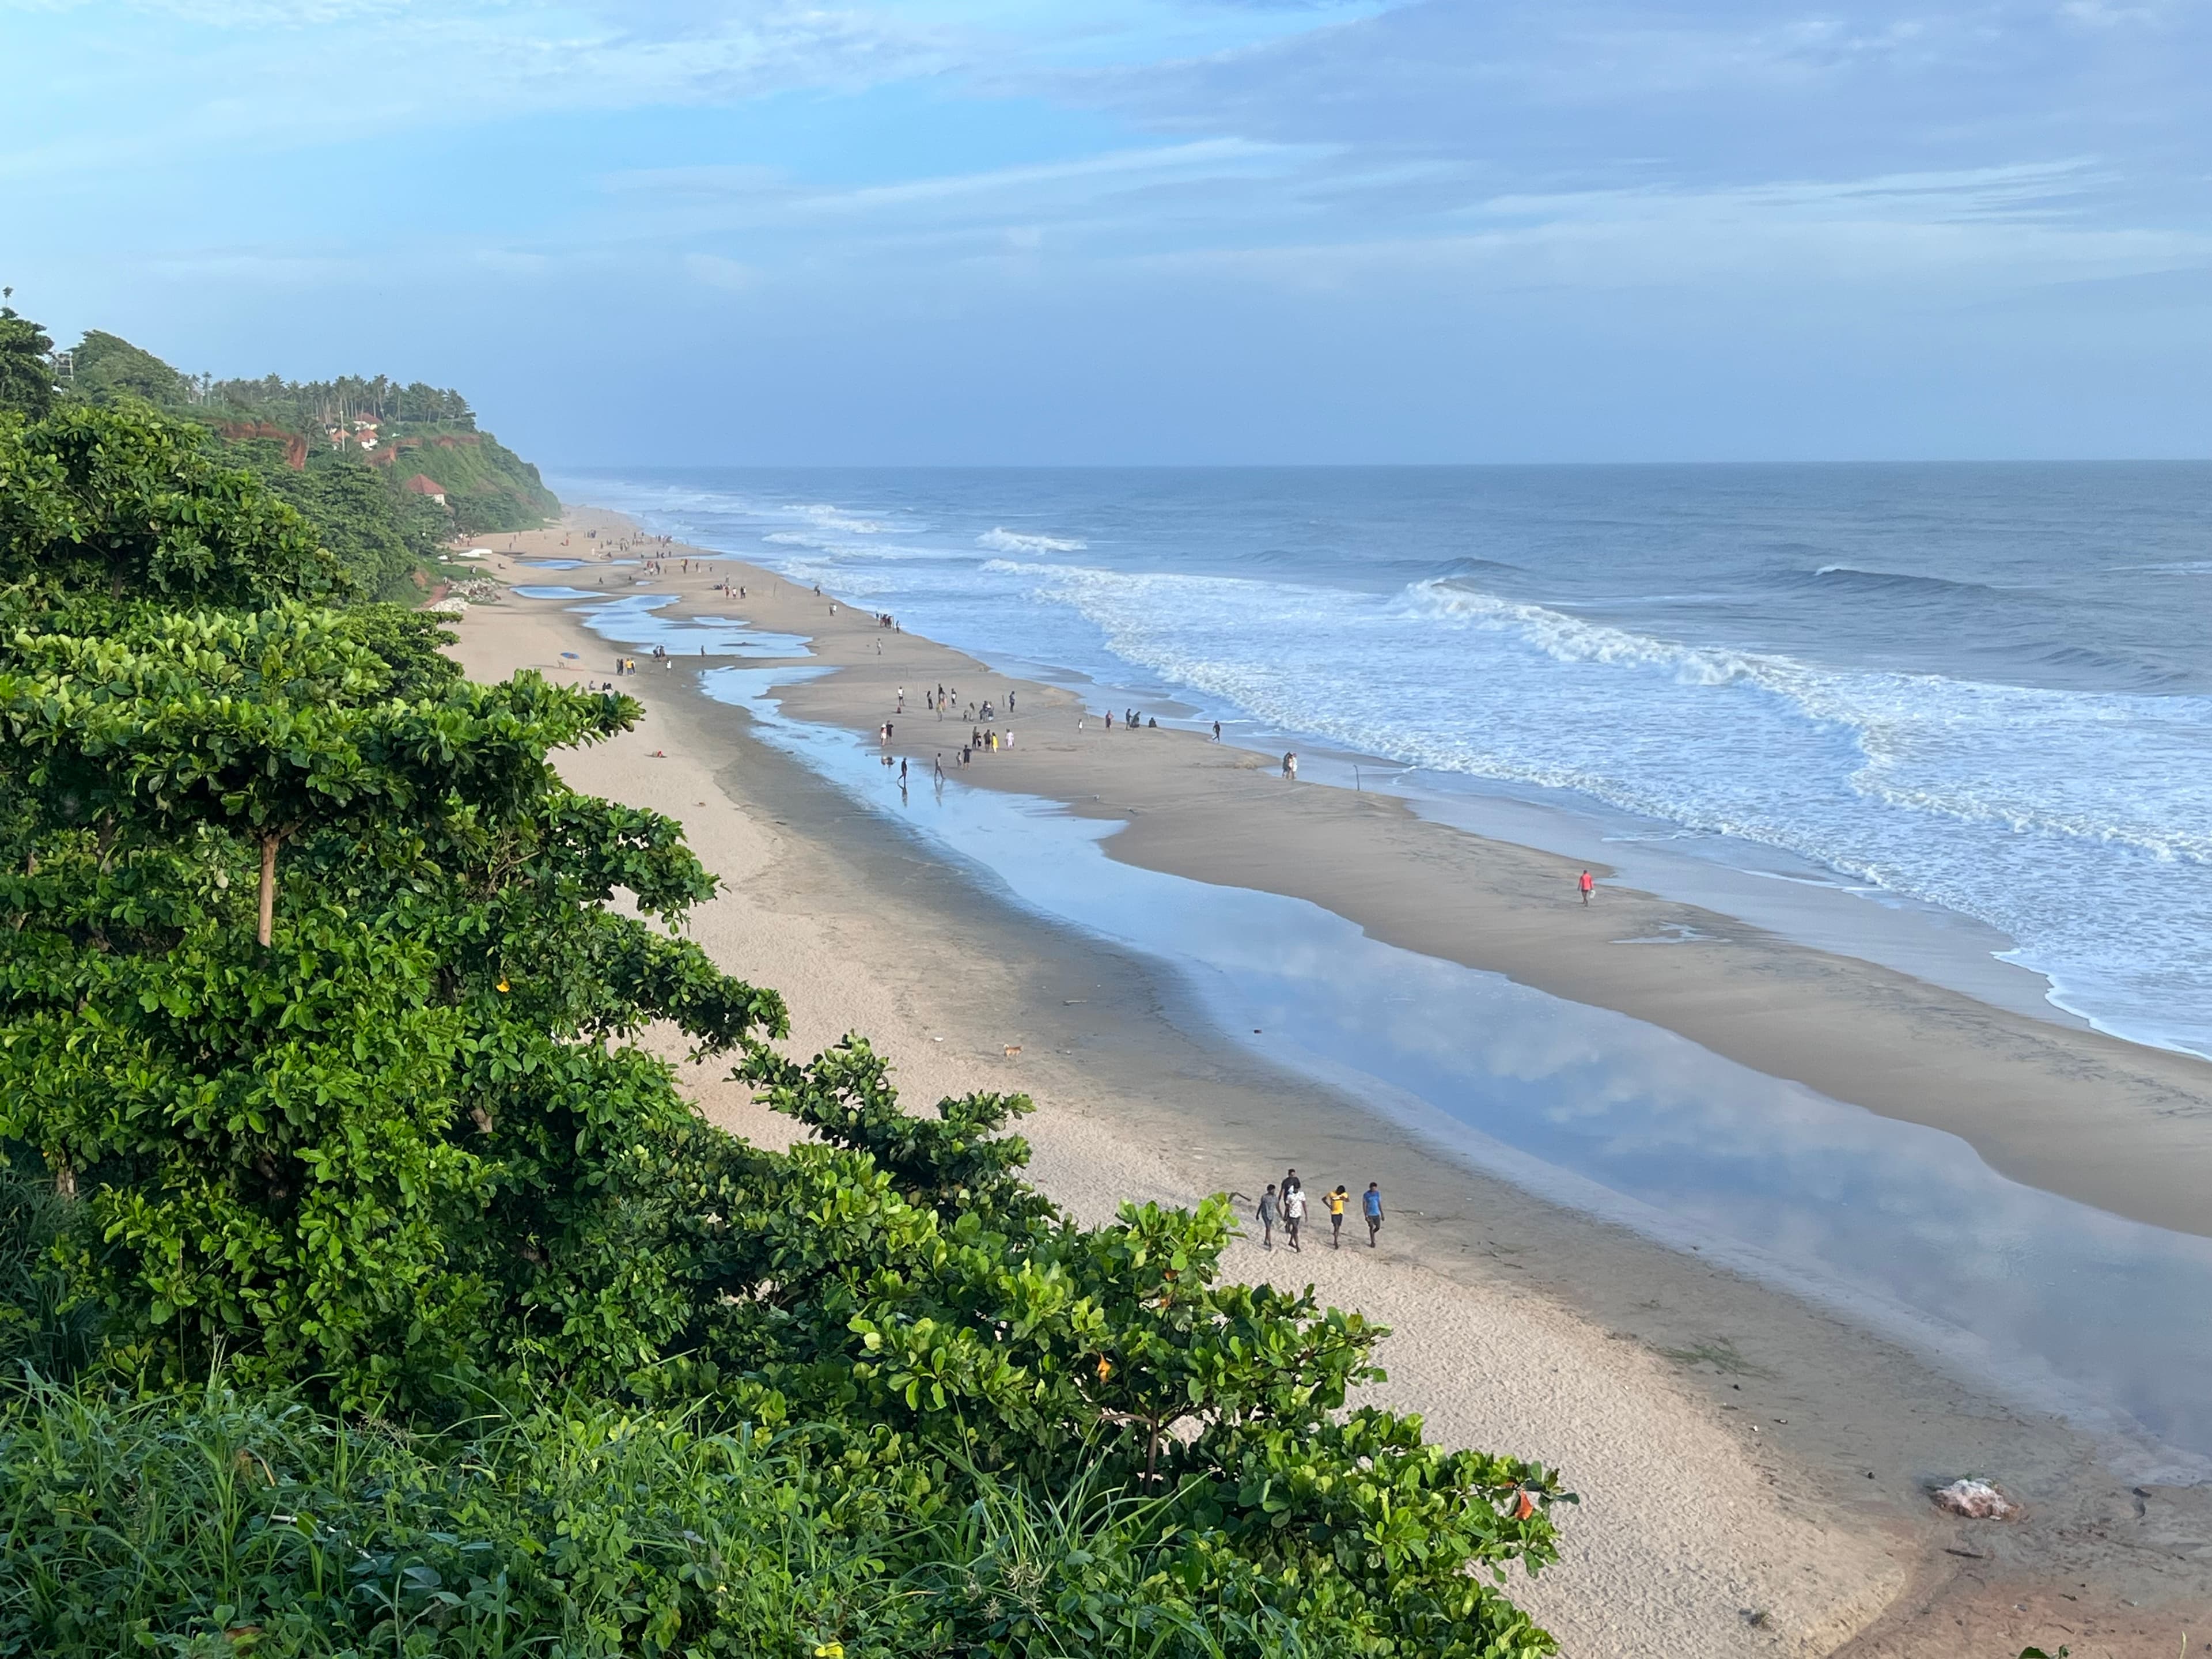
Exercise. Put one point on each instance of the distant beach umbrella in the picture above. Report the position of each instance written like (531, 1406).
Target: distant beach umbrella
(571, 655)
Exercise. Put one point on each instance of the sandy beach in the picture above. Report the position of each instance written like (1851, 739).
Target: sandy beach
(1753, 1472)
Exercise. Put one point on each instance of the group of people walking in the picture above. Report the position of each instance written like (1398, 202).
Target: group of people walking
(983, 738)
(942, 702)
(1284, 1204)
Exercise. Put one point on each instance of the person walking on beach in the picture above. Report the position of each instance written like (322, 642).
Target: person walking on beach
(1217, 731)
(1336, 1198)
(1290, 767)
(1371, 1202)
(1294, 1211)
(1586, 883)
(940, 766)
(902, 773)
(1269, 1213)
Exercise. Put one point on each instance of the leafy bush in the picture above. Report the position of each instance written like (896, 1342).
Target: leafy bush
(43, 1329)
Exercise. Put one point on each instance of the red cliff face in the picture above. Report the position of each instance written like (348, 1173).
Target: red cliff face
(296, 447)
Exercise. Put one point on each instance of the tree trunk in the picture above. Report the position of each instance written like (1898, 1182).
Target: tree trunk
(267, 887)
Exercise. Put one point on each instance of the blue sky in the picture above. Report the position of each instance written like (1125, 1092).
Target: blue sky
(980, 231)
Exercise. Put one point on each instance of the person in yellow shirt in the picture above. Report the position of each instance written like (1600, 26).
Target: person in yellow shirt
(1336, 1201)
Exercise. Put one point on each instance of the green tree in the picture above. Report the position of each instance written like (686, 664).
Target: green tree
(380, 534)
(106, 366)
(386, 1133)
(428, 1088)
(121, 502)
(27, 378)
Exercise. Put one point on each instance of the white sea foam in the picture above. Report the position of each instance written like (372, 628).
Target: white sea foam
(836, 517)
(2078, 821)
(1970, 794)
(1010, 541)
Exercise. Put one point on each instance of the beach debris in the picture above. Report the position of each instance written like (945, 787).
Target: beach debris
(1976, 1500)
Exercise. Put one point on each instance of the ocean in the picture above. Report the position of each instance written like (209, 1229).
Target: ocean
(1985, 689)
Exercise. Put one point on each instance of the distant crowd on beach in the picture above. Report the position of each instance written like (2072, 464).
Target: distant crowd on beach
(990, 732)
(1284, 1204)
(984, 735)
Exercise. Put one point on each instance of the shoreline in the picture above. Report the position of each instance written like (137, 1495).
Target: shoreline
(2118, 1126)
(1858, 1407)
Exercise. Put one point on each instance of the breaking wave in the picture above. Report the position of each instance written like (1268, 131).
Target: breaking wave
(1966, 794)
(1013, 541)
(2014, 748)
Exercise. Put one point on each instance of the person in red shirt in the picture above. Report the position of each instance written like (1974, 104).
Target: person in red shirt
(1586, 883)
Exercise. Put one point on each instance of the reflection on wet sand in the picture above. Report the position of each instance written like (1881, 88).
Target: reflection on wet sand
(1903, 1226)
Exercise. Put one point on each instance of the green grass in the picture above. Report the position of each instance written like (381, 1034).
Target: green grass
(213, 1524)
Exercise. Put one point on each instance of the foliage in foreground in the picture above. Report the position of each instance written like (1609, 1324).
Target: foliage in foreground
(318, 1022)
(212, 1525)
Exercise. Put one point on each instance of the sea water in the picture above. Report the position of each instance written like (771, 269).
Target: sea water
(1901, 1227)
(1982, 688)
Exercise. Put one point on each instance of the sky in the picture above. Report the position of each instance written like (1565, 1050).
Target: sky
(978, 231)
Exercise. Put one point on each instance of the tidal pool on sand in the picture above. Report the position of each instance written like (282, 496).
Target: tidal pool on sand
(1905, 1228)
(1901, 1227)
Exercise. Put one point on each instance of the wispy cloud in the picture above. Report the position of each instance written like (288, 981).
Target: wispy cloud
(1385, 171)
(1915, 239)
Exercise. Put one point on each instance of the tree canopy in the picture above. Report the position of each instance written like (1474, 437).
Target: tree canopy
(27, 375)
(104, 366)
(319, 1027)
(109, 500)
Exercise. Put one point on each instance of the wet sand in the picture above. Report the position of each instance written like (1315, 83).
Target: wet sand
(2113, 1124)
(1753, 1471)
